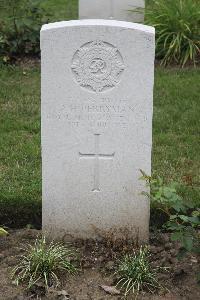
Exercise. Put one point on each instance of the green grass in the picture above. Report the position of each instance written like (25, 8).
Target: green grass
(176, 147)
(176, 131)
(59, 10)
(20, 163)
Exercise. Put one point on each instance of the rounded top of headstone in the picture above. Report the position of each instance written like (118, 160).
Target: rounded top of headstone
(98, 22)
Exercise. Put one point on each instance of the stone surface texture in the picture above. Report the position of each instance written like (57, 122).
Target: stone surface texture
(112, 9)
(97, 101)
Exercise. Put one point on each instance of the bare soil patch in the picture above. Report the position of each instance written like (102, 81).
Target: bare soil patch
(97, 262)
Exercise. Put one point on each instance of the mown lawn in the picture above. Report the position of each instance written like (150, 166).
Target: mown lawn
(176, 133)
(61, 9)
(58, 10)
(176, 129)
(20, 171)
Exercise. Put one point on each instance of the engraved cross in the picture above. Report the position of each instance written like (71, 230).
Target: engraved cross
(96, 156)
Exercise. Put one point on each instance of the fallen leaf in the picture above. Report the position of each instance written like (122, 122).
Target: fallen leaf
(62, 293)
(110, 290)
(194, 260)
(3, 232)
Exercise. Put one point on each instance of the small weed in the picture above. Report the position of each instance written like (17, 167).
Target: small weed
(135, 273)
(182, 218)
(43, 262)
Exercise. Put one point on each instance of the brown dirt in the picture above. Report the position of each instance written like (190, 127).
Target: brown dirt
(27, 62)
(97, 266)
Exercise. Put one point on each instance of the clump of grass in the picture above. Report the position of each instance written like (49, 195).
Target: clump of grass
(135, 273)
(44, 262)
(177, 24)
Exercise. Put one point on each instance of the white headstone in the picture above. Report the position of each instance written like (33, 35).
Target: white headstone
(97, 94)
(112, 9)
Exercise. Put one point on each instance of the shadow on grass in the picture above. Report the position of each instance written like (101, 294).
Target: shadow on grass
(17, 212)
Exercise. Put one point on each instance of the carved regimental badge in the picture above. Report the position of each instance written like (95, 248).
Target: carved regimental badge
(97, 66)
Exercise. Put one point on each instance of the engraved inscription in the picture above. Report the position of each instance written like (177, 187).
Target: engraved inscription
(101, 115)
(97, 66)
(96, 156)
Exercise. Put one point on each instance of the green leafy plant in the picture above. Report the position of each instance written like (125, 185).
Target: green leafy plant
(135, 273)
(182, 219)
(43, 262)
(177, 24)
(20, 32)
(185, 229)
(164, 197)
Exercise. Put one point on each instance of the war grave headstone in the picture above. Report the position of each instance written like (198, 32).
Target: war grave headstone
(97, 105)
(112, 9)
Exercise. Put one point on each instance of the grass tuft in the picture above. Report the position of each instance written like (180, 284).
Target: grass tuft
(177, 24)
(135, 273)
(44, 263)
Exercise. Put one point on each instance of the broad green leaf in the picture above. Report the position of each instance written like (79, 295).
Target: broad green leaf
(187, 242)
(176, 236)
(195, 220)
(183, 218)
